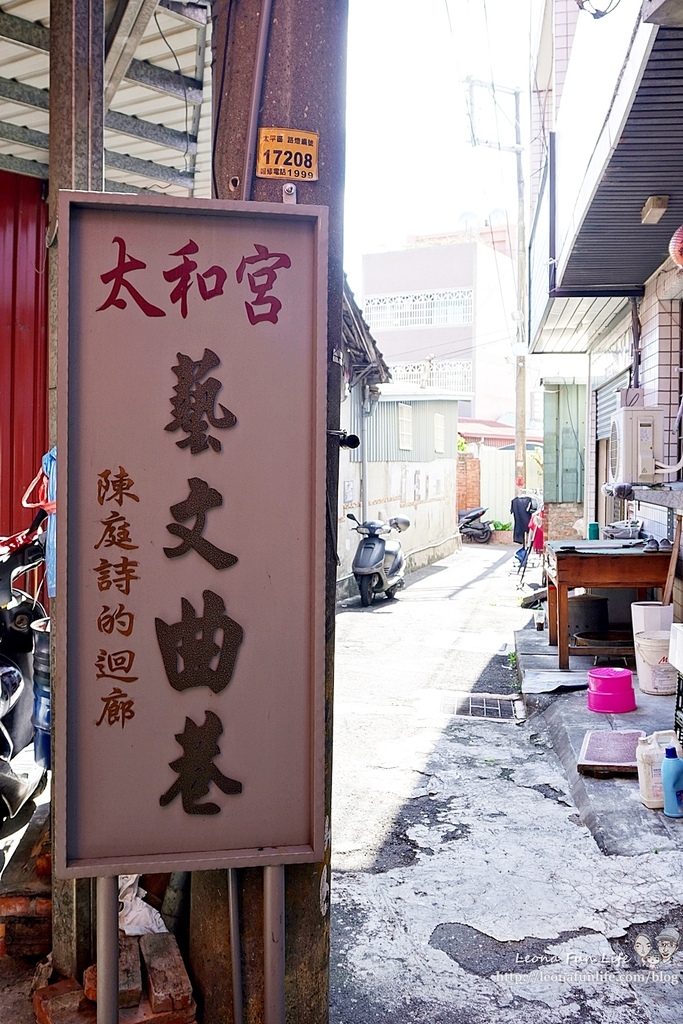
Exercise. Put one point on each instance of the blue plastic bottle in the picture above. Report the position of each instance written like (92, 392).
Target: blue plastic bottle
(672, 783)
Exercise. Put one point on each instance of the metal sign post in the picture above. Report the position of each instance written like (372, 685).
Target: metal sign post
(107, 950)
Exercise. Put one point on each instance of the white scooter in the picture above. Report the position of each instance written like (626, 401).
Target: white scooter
(379, 565)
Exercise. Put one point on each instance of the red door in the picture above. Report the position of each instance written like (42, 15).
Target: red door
(23, 343)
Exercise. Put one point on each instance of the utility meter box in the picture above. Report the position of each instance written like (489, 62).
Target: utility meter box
(635, 442)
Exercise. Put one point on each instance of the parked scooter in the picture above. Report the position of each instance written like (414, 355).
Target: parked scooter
(470, 525)
(379, 565)
(18, 610)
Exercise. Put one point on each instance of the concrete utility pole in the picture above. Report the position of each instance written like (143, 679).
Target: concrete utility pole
(76, 162)
(521, 321)
(280, 64)
(520, 357)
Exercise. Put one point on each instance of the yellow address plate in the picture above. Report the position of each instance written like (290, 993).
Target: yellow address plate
(287, 153)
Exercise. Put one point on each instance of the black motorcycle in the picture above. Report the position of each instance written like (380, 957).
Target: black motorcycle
(471, 526)
(18, 612)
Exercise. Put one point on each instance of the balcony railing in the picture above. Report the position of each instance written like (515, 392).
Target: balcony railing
(447, 375)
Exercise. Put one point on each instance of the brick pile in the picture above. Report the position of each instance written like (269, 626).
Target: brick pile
(167, 998)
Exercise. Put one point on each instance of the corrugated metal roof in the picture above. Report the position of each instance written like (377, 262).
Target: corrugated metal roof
(169, 42)
(612, 247)
(573, 324)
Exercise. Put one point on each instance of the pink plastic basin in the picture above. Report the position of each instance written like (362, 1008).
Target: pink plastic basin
(610, 690)
(610, 680)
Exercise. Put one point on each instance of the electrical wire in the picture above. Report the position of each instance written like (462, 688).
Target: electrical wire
(597, 12)
(473, 137)
(495, 113)
(219, 104)
(182, 79)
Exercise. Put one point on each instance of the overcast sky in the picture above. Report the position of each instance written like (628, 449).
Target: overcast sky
(411, 168)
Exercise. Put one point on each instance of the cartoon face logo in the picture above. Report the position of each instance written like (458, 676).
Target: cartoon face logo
(643, 947)
(667, 943)
(658, 952)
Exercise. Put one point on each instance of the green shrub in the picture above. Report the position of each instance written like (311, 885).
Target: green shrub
(500, 526)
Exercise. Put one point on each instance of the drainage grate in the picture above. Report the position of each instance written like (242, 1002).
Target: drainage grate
(500, 707)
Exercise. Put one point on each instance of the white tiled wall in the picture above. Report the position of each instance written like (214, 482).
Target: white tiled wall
(660, 361)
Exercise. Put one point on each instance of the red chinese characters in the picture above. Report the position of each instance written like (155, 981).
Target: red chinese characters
(119, 572)
(260, 269)
(261, 281)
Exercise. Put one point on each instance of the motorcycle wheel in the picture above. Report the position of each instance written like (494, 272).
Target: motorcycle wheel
(367, 594)
(483, 536)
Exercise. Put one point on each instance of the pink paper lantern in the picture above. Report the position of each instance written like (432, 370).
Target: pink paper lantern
(676, 246)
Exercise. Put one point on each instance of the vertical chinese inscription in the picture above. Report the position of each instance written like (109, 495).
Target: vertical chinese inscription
(198, 650)
(118, 571)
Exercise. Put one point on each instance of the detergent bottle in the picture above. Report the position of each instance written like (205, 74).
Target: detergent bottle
(672, 783)
(649, 757)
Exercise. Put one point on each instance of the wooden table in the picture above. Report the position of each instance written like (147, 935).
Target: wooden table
(604, 563)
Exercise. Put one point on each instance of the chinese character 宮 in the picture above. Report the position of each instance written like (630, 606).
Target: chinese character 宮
(119, 574)
(195, 769)
(201, 499)
(117, 708)
(116, 666)
(117, 278)
(194, 403)
(118, 619)
(261, 281)
(115, 488)
(193, 641)
(116, 533)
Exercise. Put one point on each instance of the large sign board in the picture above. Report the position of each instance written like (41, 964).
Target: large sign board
(189, 725)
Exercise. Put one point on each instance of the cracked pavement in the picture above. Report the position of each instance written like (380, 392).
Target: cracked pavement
(465, 887)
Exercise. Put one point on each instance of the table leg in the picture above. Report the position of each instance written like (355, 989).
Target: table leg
(641, 594)
(563, 625)
(552, 614)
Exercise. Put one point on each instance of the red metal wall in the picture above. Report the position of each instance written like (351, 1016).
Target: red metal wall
(23, 343)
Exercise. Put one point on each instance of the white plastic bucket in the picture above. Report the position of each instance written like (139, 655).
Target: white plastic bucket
(651, 615)
(649, 756)
(655, 674)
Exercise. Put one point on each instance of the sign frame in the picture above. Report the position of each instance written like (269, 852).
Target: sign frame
(69, 863)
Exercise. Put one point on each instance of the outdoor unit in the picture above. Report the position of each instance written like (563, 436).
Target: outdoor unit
(635, 442)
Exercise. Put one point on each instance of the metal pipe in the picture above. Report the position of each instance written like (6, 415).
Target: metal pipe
(363, 456)
(274, 944)
(635, 330)
(108, 950)
(235, 948)
(257, 88)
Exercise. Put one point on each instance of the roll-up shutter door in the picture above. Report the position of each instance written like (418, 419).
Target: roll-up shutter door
(607, 399)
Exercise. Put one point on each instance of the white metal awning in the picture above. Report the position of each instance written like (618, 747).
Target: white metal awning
(157, 81)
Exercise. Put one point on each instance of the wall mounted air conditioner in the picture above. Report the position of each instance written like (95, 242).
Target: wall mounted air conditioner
(635, 442)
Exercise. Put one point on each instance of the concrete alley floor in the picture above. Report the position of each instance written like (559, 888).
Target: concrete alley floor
(465, 887)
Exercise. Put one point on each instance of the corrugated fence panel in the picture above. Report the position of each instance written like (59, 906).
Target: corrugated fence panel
(497, 481)
(564, 440)
(383, 430)
(23, 343)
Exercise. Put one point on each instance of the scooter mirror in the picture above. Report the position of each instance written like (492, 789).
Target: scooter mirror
(349, 515)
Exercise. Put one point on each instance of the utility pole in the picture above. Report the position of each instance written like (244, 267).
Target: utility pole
(520, 356)
(280, 64)
(521, 322)
(76, 162)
